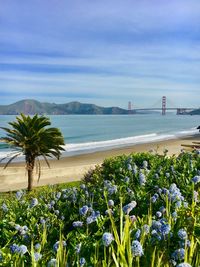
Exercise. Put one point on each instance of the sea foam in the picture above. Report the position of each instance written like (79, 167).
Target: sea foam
(89, 147)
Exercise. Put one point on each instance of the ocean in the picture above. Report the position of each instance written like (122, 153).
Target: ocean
(89, 133)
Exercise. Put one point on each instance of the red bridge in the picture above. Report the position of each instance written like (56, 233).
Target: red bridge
(164, 108)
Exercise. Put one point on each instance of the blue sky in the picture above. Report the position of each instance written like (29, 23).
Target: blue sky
(106, 52)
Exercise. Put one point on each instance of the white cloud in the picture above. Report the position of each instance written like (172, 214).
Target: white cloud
(118, 50)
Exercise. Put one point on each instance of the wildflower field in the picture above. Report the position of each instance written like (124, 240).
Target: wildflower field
(137, 210)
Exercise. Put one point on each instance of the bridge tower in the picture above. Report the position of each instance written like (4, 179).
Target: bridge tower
(164, 100)
(129, 107)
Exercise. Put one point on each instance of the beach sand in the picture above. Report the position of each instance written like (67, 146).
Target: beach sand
(72, 168)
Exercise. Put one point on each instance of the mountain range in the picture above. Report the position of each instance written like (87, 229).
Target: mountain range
(30, 107)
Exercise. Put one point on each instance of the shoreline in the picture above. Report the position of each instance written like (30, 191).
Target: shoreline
(73, 168)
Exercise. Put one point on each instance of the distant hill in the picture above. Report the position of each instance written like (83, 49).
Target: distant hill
(195, 112)
(30, 106)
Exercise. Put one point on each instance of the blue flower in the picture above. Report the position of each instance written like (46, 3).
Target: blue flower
(130, 192)
(34, 202)
(42, 221)
(159, 191)
(83, 211)
(145, 164)
(172, 262)
(96, 213)
(133, 218)
(22, 249)
(112, 189)
(137, 234)
(179, 254)
(159, 214)
(178, 204)
(107, 239)
(49, 206)
(129, 167)
(174, 193)
(52, 203)
(142, 178)
(162, 209)
(77, 224)
(14, 248)
(107, 183)
(184, 264)
(172, 168)
(109, 211)
(37, 246)
(19, 195)
(156, 225)
(25, 228)
(136, 248)
(56, 212)
(134, 170)
(185, 243)
(58, 195)
(111, 203)
(146, 228)
(82, 186)
(52, 263)
(196, 179)
(4, 207)
(126, 179)
(182, 234)
(37, 256)
(196, 194)
(17, 227)
(165, 191)
(165, 229)
(174, 215)
(78, 248)
(129, 207)
(82, 262)
(167, 174)
(154, 198)
(91, 219)
(57, 244)
(156, 235)
(21, 229)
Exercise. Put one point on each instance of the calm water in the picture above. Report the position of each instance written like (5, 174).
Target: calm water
(85, 133)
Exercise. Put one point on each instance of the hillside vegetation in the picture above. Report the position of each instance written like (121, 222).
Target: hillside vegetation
(195, 112)
(36, 107)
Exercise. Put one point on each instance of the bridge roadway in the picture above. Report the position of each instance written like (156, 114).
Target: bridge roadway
(162, 109)
(179, 111)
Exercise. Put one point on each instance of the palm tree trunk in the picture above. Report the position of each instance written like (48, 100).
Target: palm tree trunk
(30, 162)
(30, 180)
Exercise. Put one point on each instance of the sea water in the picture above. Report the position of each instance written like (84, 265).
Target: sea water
(89, 133)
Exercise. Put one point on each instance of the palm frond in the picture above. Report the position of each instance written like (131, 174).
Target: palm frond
(46, 160)
(39, 170)
(11, 159)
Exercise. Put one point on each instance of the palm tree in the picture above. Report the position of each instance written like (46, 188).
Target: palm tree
(32, 138)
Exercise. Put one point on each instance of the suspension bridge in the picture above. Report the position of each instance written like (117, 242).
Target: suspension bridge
(163, 108)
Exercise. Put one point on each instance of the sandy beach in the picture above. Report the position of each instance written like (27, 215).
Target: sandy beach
(73, 168)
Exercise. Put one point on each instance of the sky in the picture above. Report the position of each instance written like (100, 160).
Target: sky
(106, 52)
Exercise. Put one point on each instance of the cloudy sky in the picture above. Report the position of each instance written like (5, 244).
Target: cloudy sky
(106, 52)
